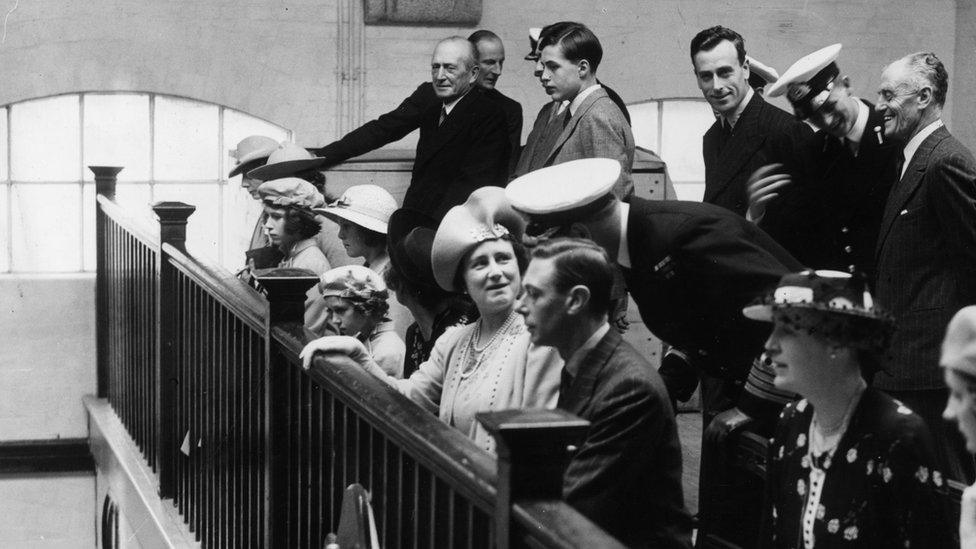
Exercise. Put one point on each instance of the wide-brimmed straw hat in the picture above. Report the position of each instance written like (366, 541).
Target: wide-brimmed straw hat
(486, 215)
(410, 239)
(959, 346)
(834, 304)
(290, 192)
(251, 148)
(286, 161)
(368, 206)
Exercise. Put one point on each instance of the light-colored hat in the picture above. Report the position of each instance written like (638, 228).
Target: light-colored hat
(761, 74)
(808, 82)
(353, 282)
(285, 161)
(368, 206)
(959, 345)
(290, 191)
(251, 148)
(486, 215)
(548, 195)
(534, 34)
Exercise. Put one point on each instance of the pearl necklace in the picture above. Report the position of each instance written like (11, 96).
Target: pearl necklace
(825, 438)
(471, 348)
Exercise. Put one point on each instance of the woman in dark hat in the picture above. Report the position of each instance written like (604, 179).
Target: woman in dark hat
(959, 366)
(849, 466)
(410, 239)
(487, 365)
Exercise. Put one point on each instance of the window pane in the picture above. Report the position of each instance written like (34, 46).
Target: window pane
(237, 126)
(45, 140)
(117, 134)
(684, 122)
(241, 213)
(644, 122)
(46, 225)
(185, 140)
(4, 223)
(690, 191)
(203, 226)
(4, 165)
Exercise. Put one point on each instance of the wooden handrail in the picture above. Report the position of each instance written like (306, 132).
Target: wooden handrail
(138, 226)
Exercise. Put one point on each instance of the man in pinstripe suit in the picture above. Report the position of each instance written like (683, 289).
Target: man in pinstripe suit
(926, 252)
(626, 475)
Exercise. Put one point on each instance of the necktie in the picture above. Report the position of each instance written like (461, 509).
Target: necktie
(565, 382)
(443, 116)
(899, 165)
(567, 116)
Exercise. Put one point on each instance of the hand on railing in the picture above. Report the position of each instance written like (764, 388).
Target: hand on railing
(346, 345)
(726, 424)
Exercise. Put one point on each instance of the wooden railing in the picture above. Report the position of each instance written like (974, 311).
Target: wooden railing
(203, 372)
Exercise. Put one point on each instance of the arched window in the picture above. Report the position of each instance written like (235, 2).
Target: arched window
(674, 128)
(172, 148)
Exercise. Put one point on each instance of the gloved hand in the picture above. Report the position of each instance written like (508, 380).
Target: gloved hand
(967, 519)
(679, 376)
(725, 425)
(347, 345)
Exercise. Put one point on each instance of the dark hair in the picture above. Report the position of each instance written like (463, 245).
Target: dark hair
(867, 337)
(482, 35)
(375, 307)
(926, 66)
(521, 258)
(301, 222)
(426, 295)
(709, 38)
(576, 41)
(580, 262)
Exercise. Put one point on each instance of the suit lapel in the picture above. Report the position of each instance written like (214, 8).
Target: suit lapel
(586, 105)
(903, 190)
(741, 146)
(581, 390)
(535, 137)
(436, 137)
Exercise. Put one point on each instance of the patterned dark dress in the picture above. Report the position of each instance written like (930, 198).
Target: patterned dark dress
(460, 312)
(877, 489)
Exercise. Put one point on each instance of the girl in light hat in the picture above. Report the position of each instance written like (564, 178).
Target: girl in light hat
(485, 366)
(357, 300)
(291, 226)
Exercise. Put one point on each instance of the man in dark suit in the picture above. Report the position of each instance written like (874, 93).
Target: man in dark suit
(626, 474)
(829, 215)
(926, 250)
(737, 143)
(463, 144)
(590, 125)
(396, 124)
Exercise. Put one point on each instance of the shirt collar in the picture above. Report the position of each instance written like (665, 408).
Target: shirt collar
(580, 97)
(448, 107)
(740, 108)
(301, 246)
(573, 364)
(623, 251)
(915, 142)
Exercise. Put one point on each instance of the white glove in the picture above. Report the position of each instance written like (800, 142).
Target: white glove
(346, 345)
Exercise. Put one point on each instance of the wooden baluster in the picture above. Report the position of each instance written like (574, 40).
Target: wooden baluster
(532, 456)
(172, 230)
(105, 180)
(285, 289)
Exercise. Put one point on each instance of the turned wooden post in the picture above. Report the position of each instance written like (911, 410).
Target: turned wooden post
(286, 291)
(532, 447)
(105, 180)
(172, 218)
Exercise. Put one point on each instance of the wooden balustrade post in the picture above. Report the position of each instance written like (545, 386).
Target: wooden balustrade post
(105, 179)
(172, 230)
(532, 447)
(286, 291)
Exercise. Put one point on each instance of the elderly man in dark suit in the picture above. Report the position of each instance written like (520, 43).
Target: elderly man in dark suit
(927, 245)
(737, 143)
(590, 125)
(463, 143)
(824, 204)
(407, 117)
(626, 474)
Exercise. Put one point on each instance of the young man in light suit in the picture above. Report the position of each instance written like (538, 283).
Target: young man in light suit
(581, 121)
